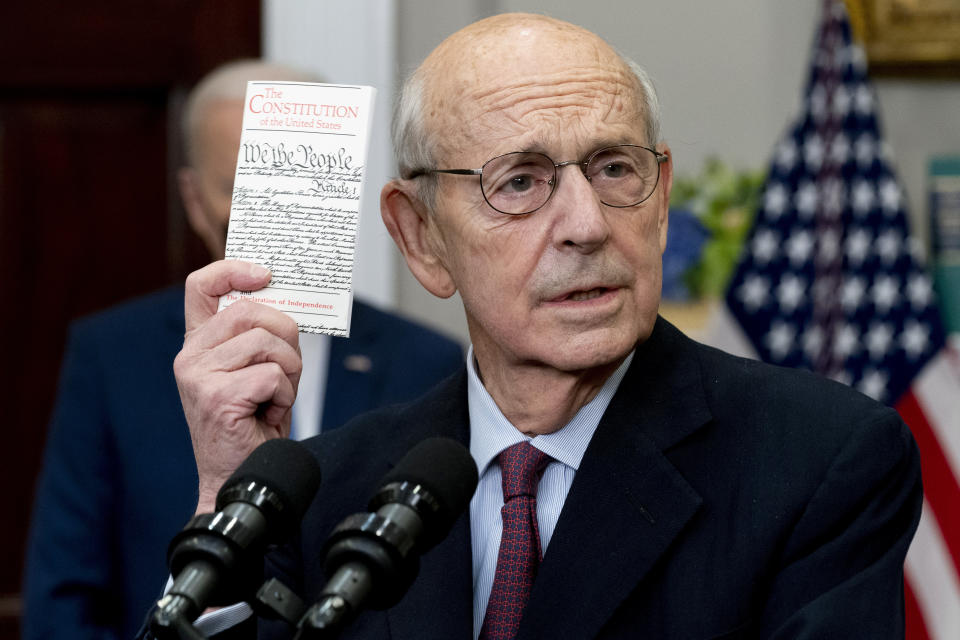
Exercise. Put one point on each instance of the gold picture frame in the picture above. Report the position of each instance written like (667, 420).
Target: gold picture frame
(908, 37)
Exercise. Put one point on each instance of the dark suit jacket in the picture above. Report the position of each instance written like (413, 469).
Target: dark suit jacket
(119, 479)
(719, 498)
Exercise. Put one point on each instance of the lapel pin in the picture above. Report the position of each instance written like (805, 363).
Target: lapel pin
(358, 362)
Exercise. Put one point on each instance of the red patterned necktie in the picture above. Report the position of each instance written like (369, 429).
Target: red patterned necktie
(520, 467)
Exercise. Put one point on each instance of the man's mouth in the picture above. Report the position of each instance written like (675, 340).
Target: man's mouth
(580, 296)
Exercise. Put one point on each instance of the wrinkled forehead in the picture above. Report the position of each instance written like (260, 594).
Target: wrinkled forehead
(510, 81)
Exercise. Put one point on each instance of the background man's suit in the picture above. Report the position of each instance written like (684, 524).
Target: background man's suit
(719, 498)
(119, 445)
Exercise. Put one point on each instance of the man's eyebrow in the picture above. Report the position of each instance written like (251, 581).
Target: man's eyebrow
(541, 146)
(538, 145)
(609, 142)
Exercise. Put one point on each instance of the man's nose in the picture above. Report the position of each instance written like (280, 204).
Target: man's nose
(581, 221)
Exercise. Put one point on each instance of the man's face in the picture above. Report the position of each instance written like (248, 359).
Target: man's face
(576, 284)
(209, 191)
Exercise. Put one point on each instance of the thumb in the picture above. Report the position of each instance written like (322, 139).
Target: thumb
(205, 286)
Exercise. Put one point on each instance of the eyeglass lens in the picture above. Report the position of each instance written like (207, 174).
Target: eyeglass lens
(521, 182)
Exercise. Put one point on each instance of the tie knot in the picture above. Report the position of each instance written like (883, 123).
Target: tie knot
(520, 468)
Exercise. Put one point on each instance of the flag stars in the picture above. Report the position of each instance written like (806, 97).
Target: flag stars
(843, 377)
(857, 58)
(765, 245)
(813, 152)
(914, 339)
(888, 246)
(865, 150)
(863, 198)
(753, 292)
(791, 293)
(863, 99)
(919, 291)
(806, 200)
(858, 246)
(779, 340)
(841, 101)
(878, 339)
(874, 384)
(846, 341)
(785, 155)
(885, 293)
(799, 247)
(775, 200)
(852, 293)
(839, 149)
(813, 339)
(916, 250)
(832, 278)
(890, 196)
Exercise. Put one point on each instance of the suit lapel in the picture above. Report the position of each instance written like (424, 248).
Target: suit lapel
(628, 503)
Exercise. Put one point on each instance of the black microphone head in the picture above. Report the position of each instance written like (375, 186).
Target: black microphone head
(283, 468)
(446, 471)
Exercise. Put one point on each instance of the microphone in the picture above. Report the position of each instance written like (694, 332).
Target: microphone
(216, 558)
(373, 558)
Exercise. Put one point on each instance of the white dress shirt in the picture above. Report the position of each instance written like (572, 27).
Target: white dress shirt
(491, 433)
(308, 407)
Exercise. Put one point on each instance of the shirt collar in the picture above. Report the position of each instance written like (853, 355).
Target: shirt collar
(491, 432)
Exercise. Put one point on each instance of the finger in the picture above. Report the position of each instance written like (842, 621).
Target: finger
(276, 421)
(205, 286)
(240, 317)
(241, 397)
(269, 393)
(253, 347)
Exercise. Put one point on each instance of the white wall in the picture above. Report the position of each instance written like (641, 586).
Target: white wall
(422, 25)
(921, 119)
(729, 73)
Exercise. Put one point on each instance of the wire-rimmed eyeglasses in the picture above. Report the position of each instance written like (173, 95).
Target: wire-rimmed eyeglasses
(521, 182)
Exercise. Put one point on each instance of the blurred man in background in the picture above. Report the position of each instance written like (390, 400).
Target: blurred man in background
(119, 477)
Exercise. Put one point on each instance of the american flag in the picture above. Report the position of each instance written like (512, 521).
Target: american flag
(831, 280)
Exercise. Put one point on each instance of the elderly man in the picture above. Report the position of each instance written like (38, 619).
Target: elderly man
(118, 479)
(679, 492)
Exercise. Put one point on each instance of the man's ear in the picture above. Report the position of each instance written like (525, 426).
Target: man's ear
(666, 185)
(414, 231)
(208, 229)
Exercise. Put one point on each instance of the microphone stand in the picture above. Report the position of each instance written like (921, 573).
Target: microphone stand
(170, 621)
(337, 607)
(373, 562)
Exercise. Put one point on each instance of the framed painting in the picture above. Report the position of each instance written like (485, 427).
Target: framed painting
(909, 37)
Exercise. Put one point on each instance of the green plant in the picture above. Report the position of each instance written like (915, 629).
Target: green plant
(724, 201)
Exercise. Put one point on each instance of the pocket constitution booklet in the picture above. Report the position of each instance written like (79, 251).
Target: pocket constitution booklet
(296, 197)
